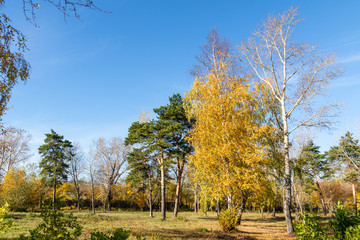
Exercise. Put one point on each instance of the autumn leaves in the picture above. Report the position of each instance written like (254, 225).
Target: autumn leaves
(229, 154)
(234, 116)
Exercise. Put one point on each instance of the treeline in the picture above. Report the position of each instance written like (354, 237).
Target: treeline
(320, 182)
(227, 145)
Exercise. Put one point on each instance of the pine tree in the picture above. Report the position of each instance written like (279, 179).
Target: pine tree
(347, 157)
(180, 149)
(314, 167)
(55, 158)
(151, 136)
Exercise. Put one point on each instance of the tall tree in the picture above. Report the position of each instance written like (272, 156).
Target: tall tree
(152, 138)
(75, 168)
(228, 154)
(110, 158)
(347, 157)
(295, 74)
(55, 158)
(313, 167)
(180, 149)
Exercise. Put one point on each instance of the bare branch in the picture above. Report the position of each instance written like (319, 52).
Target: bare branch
(67, 7)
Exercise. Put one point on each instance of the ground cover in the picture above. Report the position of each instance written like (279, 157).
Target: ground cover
(187, 225)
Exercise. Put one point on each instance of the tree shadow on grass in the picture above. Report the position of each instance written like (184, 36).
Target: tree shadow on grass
(16, 216)
(208, 218)
(266, 220)
(197, 234)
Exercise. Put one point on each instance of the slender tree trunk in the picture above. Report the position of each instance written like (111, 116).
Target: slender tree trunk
(298, 199)
(229, 201)
(77, 197)
(296, 207)
(242, 208)
(92, 190)
(104, 206)
(150, 198)
(218, 208)
(273, 212)
(354, 198)
(109, 199)
(92, 197)
(297, 204)
(323, 203)
(163, 203)
(151, 205)
(178, 188)
(205, 206)
(287, 186)
(275, 195)
(196, 199)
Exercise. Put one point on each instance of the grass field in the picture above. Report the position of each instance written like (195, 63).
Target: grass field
(187, 226)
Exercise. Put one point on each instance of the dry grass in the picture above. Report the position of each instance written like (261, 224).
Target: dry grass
(187, 226)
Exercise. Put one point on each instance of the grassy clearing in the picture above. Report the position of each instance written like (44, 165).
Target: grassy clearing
(187, 226)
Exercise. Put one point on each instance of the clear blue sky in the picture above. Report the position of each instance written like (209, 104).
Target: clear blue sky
(92, 78)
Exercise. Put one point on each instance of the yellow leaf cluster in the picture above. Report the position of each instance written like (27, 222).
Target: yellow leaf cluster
(228, 156)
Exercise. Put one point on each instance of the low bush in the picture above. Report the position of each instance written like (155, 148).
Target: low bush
(309, 228)
(352, 233)
(228, 220)
(55, 225)
(341, 220)
(344, 225)
(4, 223)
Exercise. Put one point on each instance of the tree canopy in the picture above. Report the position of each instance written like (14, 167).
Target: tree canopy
(55, 158)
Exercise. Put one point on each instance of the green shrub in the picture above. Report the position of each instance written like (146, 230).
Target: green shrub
(4, 224)
(308, 228)
(118, 234)
(55, 225)
(352, 233)
(341, 220)
(228, 220)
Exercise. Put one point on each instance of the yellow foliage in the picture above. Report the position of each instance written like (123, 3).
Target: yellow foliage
(135, 197)
(229, 157)
(13, 178)
(16, 189)
(67, 191)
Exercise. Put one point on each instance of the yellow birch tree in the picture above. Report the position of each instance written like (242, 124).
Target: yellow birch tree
(229, 156)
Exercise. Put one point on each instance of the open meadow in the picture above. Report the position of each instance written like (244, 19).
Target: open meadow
(188, 225)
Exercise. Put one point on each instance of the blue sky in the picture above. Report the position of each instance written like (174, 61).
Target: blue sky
(92, 78)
